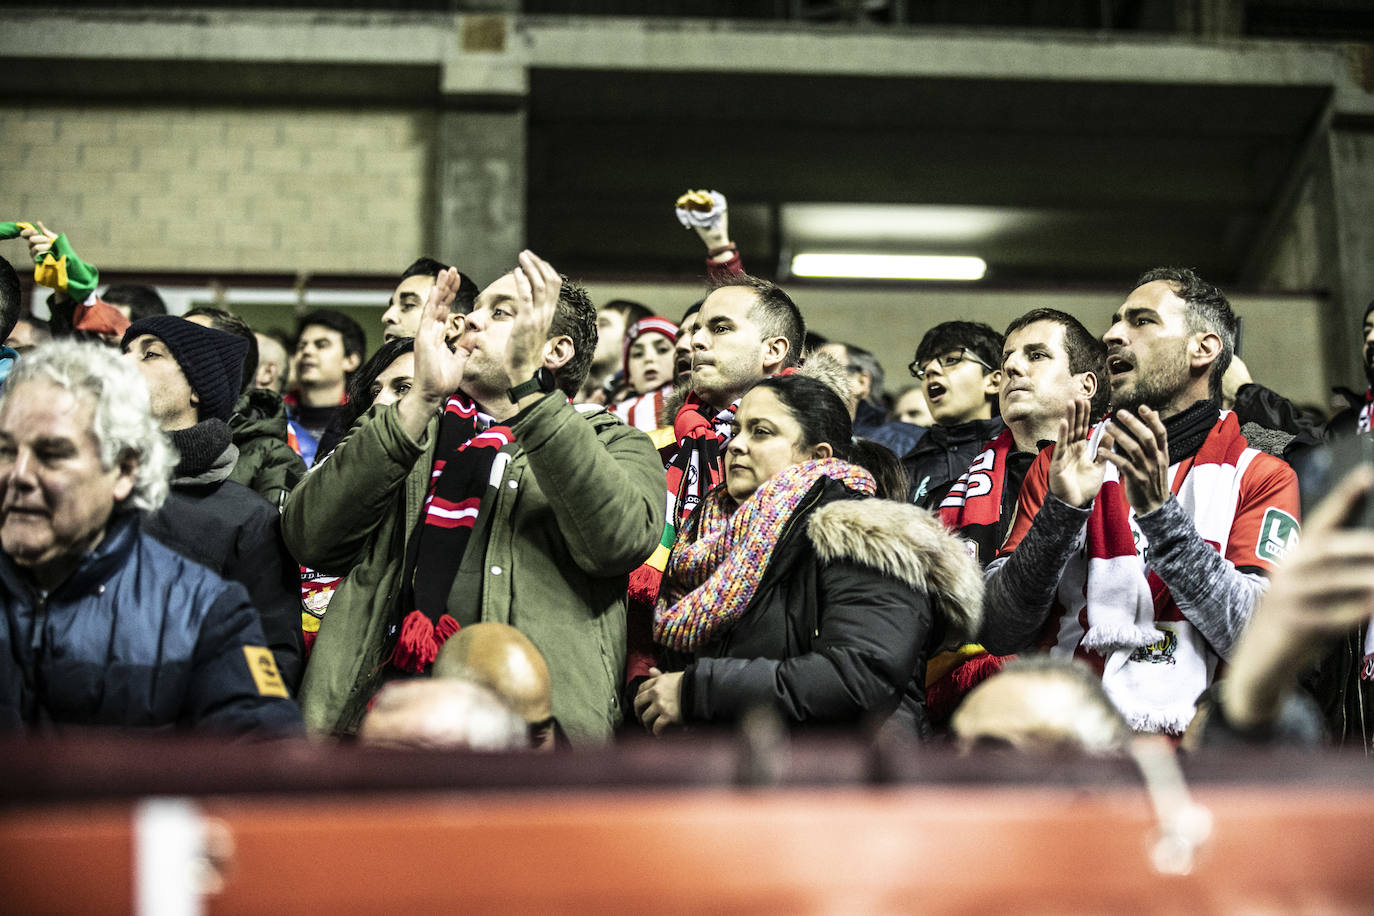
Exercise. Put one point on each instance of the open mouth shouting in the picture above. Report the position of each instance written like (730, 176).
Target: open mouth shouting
(935, 390)
(1119, 364)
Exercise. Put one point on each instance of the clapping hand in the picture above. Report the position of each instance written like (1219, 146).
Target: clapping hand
(1140, 451)
(1075, 474)
(537, 286)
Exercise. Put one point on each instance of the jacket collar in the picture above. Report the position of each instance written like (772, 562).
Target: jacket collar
(95, 567)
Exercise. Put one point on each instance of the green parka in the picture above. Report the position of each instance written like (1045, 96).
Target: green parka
(576, 508)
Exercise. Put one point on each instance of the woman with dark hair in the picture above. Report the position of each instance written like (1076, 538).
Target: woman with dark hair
(790, 587)
(381, 380)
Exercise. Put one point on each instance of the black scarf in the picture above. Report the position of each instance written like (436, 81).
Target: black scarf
(199, 446)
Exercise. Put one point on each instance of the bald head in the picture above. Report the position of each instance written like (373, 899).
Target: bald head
(426, 714)
(1042, 703)
(504, 660)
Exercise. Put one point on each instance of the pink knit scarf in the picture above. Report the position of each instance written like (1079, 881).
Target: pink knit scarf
(717, 562)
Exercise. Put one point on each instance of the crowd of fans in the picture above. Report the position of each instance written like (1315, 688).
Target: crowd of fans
(524, 521)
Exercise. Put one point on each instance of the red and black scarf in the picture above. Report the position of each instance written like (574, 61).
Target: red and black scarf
(464, 452)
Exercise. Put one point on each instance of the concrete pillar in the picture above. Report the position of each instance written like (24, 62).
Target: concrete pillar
(480, 148)
(1352, 184)
(479, 221)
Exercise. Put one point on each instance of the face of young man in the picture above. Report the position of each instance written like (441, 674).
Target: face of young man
(55, 497)
(486, 335)
(959, 392)
(682, 349)
(1036, 381)
(402, 315)
(321, 361)
(175, 405)
(1147, 351)
(728, 350)
(911, 407)
(610, 337)
(272, 363)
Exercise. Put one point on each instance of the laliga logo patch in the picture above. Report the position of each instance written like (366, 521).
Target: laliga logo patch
(1278, 535)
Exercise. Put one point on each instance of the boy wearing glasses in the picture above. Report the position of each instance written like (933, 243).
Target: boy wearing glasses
(955, 363)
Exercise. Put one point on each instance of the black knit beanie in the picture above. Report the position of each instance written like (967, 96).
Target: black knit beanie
(211, 360)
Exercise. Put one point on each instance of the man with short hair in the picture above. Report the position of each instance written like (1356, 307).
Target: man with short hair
(402, 315)
(267, 464)
(329, 348)
(864, 375)
(482, 495)
(747, 330)
(193, 374)
(612, 321)
(274, 366)
(957, 365)
(1048, 360)
(103, 625)
(1144, 549)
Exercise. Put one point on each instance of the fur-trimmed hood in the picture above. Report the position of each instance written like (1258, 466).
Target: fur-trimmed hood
(911, 545)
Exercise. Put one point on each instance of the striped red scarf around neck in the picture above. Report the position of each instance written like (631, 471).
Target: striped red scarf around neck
(720, 557)
(465, 451)
(976, 497)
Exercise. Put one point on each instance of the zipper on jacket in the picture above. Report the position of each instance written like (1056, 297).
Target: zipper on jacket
(40, 622)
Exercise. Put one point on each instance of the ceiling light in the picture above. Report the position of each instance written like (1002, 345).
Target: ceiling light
(888, 266)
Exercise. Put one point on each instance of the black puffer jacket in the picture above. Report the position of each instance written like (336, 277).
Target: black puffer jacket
(857, 594)
(235, 532)
(137, 636)
(267, 465)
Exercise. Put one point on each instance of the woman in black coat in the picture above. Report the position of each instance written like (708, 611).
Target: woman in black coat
(790, 588)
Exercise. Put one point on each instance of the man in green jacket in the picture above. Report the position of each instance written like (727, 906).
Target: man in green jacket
(482, 495)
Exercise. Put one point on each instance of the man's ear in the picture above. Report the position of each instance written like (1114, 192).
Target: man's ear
(352, 361)
(992, 383)
(1204, 348)
(128, 474)
(558, 351)
(775, 350)
(1087, 384)
(822, 450)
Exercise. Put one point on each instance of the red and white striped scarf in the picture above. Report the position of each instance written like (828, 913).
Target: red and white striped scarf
(465, 453)
(1362, 422)
(976, 497)
(642, 411)
(1154, 662)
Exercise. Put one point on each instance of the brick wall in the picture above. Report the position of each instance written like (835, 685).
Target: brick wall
(220, 188)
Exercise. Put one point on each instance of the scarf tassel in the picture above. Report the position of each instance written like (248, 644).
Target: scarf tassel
(418, 645)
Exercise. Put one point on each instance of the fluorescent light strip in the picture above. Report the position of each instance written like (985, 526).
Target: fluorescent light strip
(888, 266)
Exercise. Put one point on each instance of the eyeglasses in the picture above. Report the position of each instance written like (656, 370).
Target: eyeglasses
(947, 361)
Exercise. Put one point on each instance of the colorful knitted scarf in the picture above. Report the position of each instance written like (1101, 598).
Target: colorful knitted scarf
(465, 452)
(719, 558)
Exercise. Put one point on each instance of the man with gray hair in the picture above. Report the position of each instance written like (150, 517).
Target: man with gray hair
(103, 625)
